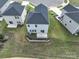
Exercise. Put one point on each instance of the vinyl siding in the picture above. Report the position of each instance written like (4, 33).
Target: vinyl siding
(38, 28)
(12, 18)
(5, 6)
(23, 16)
(72, 27)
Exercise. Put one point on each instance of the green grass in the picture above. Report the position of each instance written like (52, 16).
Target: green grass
(57, 30)
(74, 2)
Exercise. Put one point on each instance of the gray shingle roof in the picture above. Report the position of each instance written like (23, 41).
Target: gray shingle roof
(74, 16)
(70, 8)
(42, 9)
(14, 9)
(40, 16)
(2, 2)
(36, 18)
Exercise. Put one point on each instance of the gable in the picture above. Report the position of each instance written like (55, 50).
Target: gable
(43, 10)
(36, 18)
(14, 9)
(40, 16)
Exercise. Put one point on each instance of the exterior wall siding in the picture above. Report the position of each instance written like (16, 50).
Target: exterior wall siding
(5, 6)
(12, 18)
(38, 28)
(71, 26)
(23, 16)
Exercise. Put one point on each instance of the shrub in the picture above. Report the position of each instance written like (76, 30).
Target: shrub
(1, 36)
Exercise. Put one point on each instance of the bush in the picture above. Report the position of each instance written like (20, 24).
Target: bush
(1, 36)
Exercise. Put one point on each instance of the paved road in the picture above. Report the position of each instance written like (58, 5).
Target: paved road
(48, 3)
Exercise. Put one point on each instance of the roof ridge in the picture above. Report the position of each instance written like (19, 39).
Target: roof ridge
(9, 9)
(72, 12)
(16, 10)
(44, 17)
(73, 16)
(39, 14)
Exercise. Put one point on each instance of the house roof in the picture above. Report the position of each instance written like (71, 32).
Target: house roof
(70, 8)
(43, 10)
(14, 9)
(36, 18)
(2, 2)
(40, 16)
(74, 16)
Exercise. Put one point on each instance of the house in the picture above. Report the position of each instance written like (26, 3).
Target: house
(37, 22)
(70, 8)
(70, 19)
(14, 15)
(3, 5)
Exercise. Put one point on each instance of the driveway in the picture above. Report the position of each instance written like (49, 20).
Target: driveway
(48, 3)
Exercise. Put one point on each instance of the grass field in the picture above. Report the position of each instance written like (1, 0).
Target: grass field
(75, 2)
(61, 47)
(62, 44)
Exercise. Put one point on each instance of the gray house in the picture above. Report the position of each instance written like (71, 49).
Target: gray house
(14, 15)
(70, 19)
(3, 5)
(37, 21)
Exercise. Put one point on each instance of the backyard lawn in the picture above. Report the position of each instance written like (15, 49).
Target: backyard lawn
(75, 2)
(62, 44)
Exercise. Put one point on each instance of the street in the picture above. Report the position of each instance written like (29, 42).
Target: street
(48, 3)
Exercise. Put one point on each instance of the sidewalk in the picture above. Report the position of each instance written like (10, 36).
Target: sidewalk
(19, 58)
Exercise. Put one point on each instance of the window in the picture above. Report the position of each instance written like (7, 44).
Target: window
(30, 30)
(42, 31)
(35, 25)
(35, 30)
(16, 17)
(18, 22)
(10, 22)
(65, 24)
(70, 21)
(28, 25)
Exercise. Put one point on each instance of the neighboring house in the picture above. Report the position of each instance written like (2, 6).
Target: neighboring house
(3, 5)
(70, 8)
(37, 22)
(14, 15)
(70, 19)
